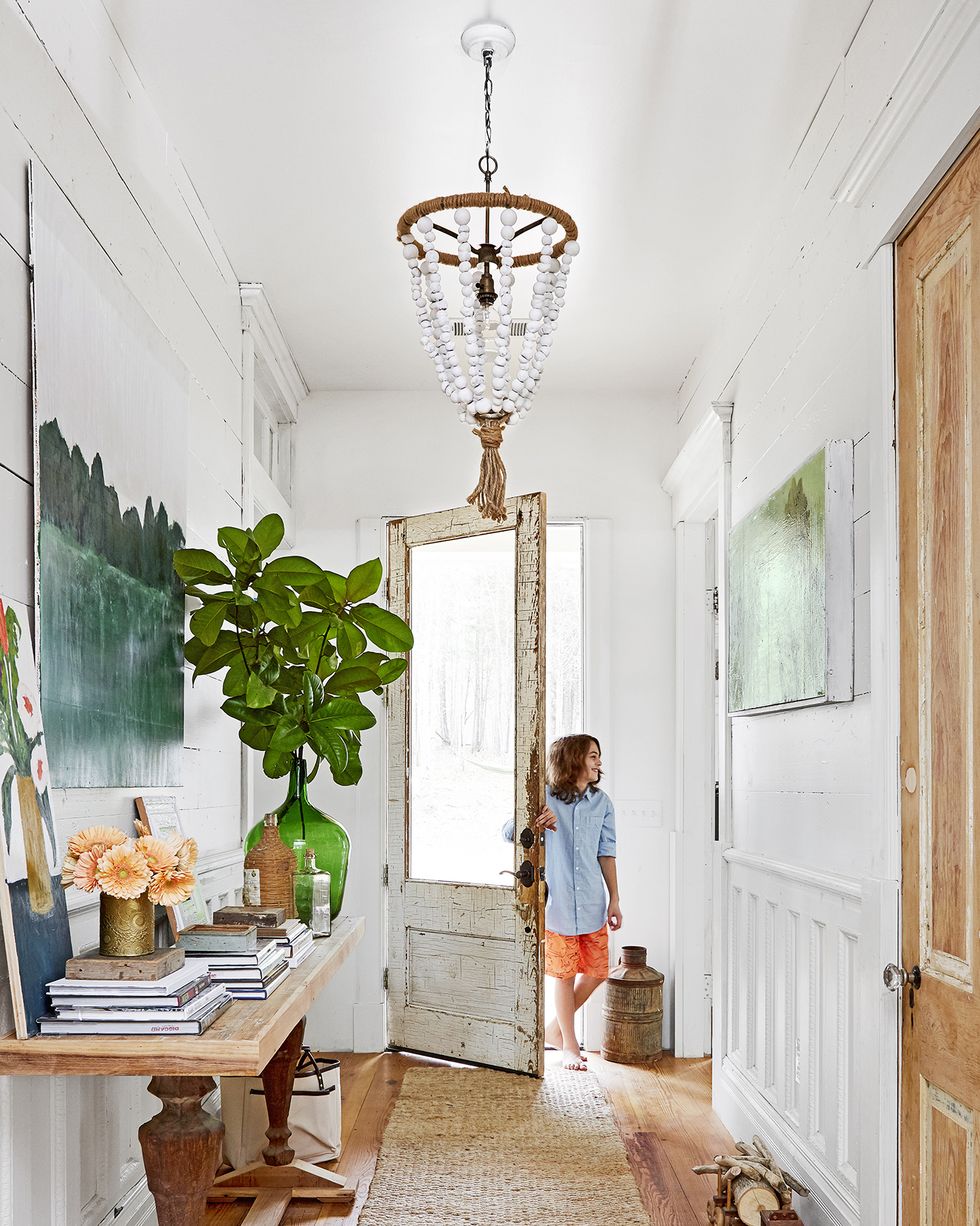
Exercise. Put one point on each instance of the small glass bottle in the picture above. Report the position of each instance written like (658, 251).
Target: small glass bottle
(313, 896)
(299, 851)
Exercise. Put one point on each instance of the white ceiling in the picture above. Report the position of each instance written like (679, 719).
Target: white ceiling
(308, 126)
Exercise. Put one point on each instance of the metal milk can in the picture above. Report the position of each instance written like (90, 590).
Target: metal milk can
(633, 1011)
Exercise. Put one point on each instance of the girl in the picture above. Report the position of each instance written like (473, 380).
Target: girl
(583, 893)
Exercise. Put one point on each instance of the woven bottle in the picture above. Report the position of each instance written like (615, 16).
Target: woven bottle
(277, 868)
(633, 1011)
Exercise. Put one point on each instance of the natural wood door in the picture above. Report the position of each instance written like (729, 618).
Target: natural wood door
(938, 349)
(465, 756)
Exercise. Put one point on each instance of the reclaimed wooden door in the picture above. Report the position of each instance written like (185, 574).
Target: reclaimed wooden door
(938, 351)
(465, 757)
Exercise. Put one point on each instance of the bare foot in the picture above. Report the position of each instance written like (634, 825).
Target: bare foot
(572, 1059)
(552, 1034)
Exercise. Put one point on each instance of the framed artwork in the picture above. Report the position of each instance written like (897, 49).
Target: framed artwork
(791, 591)
(110, 408)
(33, 914)
(160, 815)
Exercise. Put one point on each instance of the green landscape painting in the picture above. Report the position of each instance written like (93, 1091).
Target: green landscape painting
(778, 596)
(111, 614)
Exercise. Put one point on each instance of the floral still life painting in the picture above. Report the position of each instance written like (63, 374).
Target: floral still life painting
(36, 937)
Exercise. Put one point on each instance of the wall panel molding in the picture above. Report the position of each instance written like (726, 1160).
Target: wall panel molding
(791, 1057)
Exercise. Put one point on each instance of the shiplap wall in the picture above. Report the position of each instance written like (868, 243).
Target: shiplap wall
(70, 99)
(806, 1043)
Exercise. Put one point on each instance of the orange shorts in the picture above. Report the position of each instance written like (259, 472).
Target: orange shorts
(568, 956)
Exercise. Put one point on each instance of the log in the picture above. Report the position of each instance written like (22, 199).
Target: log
(750, 1196)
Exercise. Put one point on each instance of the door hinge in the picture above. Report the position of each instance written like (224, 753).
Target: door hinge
(384, 979)
(714, 600)
(384, 876)
(707, 987)
(717, 671)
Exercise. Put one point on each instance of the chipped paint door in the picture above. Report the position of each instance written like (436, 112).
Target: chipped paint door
(938, 351)
(465, 757)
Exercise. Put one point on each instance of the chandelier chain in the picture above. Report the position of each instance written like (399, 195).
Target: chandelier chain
(488, 163)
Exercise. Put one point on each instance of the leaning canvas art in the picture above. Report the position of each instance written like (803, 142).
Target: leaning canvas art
(791, 590)
(34, 917)
(110, 457)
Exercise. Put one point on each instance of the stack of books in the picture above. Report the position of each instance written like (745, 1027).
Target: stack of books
(248, 968)
(271, 925)
(184, 1002)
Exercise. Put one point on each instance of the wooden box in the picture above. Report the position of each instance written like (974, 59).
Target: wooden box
(94, 965)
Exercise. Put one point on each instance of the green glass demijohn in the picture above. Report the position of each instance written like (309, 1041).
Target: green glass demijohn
(299, 819)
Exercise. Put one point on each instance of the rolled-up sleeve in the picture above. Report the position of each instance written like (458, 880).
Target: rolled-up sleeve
(607, 836)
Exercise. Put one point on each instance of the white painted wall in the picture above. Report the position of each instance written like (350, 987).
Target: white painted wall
(363, 455)
(69, 97)
(805, 1044)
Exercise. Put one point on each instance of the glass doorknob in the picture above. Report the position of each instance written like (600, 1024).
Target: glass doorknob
(896, 977)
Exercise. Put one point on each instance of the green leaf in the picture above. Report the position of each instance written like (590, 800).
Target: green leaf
(288, 735)
(312, 693)
(294, 571)
(236, 678)
(290, 680)
(207, 621)
(314, 625)
(239, 546)
(193, 650)
(350, 641)
(385, 629)
(268, 534)
(364, 580)
(257, 693)
(238, 709)
(330, 746)
(336, 585)
(351, 677)
(351, 773)
(219, 655)
(391, 670)
(278, 602)
(200, 566)
(255, 736)
(276, 763)
(343, 713)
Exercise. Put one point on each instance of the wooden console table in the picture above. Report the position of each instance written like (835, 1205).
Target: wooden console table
(182, 1144)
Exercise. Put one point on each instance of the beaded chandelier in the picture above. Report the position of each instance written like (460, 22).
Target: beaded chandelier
(491, 382)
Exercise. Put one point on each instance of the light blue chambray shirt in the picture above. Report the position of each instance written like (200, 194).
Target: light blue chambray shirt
(577, 900)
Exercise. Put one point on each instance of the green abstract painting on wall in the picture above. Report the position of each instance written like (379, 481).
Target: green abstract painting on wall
(111, 624)
(778, 596)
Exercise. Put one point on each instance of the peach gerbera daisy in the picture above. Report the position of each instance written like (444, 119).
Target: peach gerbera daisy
(171, 886)
(123, 872)
(95, 837)
(83, 873)
(142, 828)
(159, 855)
(186, 851)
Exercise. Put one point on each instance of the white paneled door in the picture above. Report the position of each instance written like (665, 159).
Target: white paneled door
(465, 868)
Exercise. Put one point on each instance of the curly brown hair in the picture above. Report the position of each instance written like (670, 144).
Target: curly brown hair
(566, 762)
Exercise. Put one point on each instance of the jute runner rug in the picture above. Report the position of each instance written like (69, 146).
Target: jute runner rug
(469, 1147)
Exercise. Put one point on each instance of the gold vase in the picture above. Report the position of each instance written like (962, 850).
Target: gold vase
(125, 926)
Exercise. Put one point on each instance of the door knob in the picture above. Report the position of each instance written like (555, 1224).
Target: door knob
(525, 874)
(896, 977)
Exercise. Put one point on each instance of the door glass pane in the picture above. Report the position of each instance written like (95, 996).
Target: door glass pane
(565, 636)
(461, 786)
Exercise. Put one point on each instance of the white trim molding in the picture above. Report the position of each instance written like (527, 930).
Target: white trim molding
(692, 479)
(259, 320)
(938, 46)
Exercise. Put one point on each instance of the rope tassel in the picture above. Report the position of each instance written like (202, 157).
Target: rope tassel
(490, 493)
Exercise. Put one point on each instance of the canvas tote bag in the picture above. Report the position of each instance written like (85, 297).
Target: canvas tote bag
(314, 1113)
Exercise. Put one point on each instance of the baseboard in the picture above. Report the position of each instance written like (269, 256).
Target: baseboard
(744, 1112)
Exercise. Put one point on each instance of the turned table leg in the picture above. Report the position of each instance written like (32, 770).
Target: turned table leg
(277, 1081)
(181, 1150)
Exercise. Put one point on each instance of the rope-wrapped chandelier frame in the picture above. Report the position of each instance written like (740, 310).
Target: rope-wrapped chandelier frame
(478, 370)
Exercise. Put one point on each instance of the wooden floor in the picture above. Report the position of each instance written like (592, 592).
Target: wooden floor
(663, 1113)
